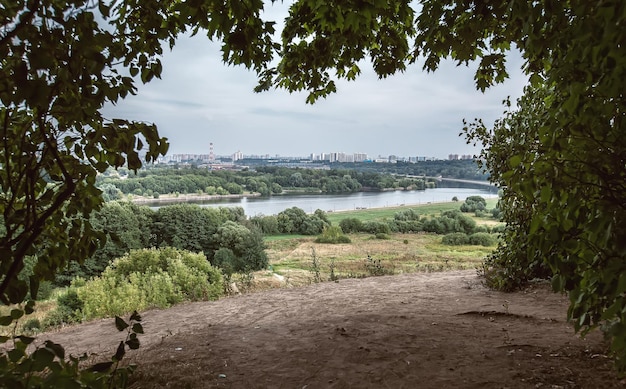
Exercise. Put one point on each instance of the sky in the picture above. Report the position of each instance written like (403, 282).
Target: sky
(199, 100)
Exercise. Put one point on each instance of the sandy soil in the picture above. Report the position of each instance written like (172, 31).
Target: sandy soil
(436, 330)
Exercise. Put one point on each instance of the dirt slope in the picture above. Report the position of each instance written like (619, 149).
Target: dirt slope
(436, 330)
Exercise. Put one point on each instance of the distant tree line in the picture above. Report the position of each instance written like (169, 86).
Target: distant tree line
(465, 169)
(265, 180)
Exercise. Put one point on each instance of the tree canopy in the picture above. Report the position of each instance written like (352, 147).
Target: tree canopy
(61, 61)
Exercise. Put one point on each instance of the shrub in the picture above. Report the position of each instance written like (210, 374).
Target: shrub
(267, 224)
(498, 229)
(376, 227)
(474, 203)
(32, 325)
(68, 310)
(455, 239)
(407, 215)
(350, 225)
(383, 236)
(406, 226)
(332, 235)
(70, 300)
(482, 239)
(375, 267)
(149, 278)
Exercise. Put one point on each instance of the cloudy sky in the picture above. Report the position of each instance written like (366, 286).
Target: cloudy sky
(199, 100)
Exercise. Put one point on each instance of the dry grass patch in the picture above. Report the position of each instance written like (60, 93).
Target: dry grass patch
(402, 253)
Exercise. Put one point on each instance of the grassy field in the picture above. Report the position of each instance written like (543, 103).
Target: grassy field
(388, 212)
(297, 260)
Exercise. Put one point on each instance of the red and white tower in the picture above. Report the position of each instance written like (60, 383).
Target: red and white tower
(211, 154)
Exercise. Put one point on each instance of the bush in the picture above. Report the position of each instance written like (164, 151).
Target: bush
(332, 235)
(406, 227)
(267, 224)
(382, 236)
(407, 215)
(376, 227)
(498, 229)
(482, 239)
(149, 278)
(473, 204)
(32, 325)
(350, 225)
(68, 310)
(455, 239)
(70, 300)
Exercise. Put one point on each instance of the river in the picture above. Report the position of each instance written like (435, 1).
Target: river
(254, 206)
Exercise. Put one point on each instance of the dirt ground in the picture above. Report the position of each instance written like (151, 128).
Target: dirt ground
(428, 330)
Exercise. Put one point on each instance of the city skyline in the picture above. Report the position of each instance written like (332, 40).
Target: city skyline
(324, 156)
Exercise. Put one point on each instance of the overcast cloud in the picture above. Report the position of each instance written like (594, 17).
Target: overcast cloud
(200, 100)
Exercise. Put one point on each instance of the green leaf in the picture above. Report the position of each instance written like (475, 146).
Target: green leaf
(56, 348)
(25, 339)
(16, 314)
(30, 307)
(42, 358)
(515, 161)
(135, 316)
(120, 324)
(133, 343)
(121, 351)
(137, 328)
(15, 355)
(6, 320)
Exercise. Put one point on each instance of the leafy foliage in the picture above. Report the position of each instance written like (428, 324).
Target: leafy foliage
(295, 221)
(455, 239)
(149, 278)
(561, 167)
(245, 248)
(350, 225)
(332, 234)
(47, 366)
(473, 204)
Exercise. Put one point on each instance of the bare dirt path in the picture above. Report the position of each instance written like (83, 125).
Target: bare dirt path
(436, 330)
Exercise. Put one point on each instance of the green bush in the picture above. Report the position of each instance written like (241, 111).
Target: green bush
(376, 227)
(149, 278)
(455, 239)
(68, 310)
(474, 203)
(482, 239)
(498, 229)
(350, 225)
(332, 235)
(382, 235)
(32, 325)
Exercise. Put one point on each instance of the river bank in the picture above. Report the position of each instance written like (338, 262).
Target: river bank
(189, 198)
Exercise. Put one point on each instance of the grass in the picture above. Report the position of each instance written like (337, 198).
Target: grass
(42, 308)
(291, 255)
(389, 212)
(422, 252)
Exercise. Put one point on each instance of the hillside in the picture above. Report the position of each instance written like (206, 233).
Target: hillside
(427, 330)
